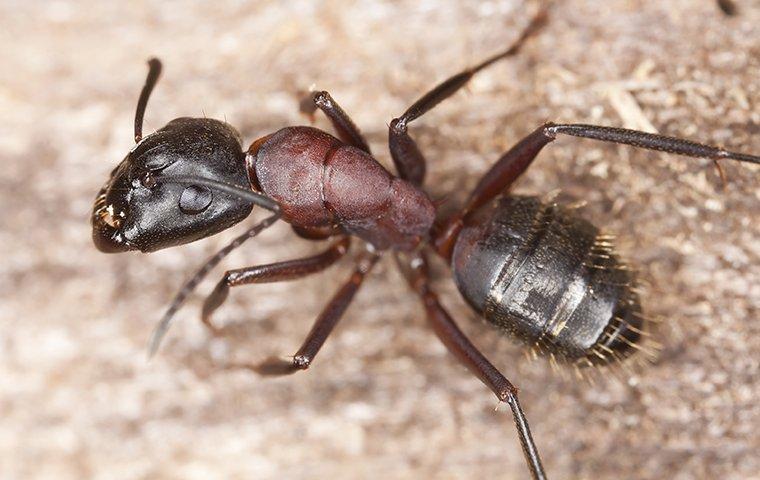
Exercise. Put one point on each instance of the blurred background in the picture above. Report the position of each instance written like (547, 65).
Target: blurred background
(78, 399)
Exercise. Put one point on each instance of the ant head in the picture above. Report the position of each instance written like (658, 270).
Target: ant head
(175, 186)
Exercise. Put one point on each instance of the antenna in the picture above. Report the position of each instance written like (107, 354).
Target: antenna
(154, 71)
(243, 193)
(163, 325)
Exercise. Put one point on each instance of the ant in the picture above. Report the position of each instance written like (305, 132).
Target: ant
(530, 267)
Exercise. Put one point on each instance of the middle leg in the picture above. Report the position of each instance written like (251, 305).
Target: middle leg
(409, 161)
(323, 326)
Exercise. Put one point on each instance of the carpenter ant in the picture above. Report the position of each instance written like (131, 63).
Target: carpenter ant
(530, 267)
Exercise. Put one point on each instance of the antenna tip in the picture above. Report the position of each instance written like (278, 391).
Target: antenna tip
(152, 349)
(158, 334)
(154, 62)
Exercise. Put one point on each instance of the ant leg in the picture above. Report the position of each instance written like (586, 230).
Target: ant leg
(322, 327)
(409, 161)
(515, 161)
(316, 233)
(273, 272)
(344, 126)
(498, 178)
(461, 347)
(728, 7)
(649, 141)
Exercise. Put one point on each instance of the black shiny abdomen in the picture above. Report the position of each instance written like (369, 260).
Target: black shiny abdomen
(549, 278)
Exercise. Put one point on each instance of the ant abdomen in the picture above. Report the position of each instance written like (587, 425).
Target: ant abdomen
(551, 279)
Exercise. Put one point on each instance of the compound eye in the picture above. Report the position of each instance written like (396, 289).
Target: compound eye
(148, 180)
(195, 199)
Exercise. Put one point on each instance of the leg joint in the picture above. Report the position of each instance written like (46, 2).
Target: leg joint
(549, 129)
(398, 125)
(508, 394)
(322, 99)
(231, 279)
(301, 362)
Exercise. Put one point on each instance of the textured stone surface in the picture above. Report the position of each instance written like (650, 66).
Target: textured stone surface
(383, 399)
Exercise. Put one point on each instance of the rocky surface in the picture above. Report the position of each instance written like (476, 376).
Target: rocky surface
(383, 400)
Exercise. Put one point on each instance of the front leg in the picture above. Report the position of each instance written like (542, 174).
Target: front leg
(344, 126)
(273, 272)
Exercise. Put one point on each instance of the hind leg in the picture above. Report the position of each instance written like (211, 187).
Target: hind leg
(469, 355)
(514, 162)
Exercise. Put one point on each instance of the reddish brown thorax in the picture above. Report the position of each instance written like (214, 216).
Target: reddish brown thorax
(319, 181)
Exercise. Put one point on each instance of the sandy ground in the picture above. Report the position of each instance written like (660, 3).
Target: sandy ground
(383, 400)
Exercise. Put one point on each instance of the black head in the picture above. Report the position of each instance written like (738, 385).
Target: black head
(151, 201)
